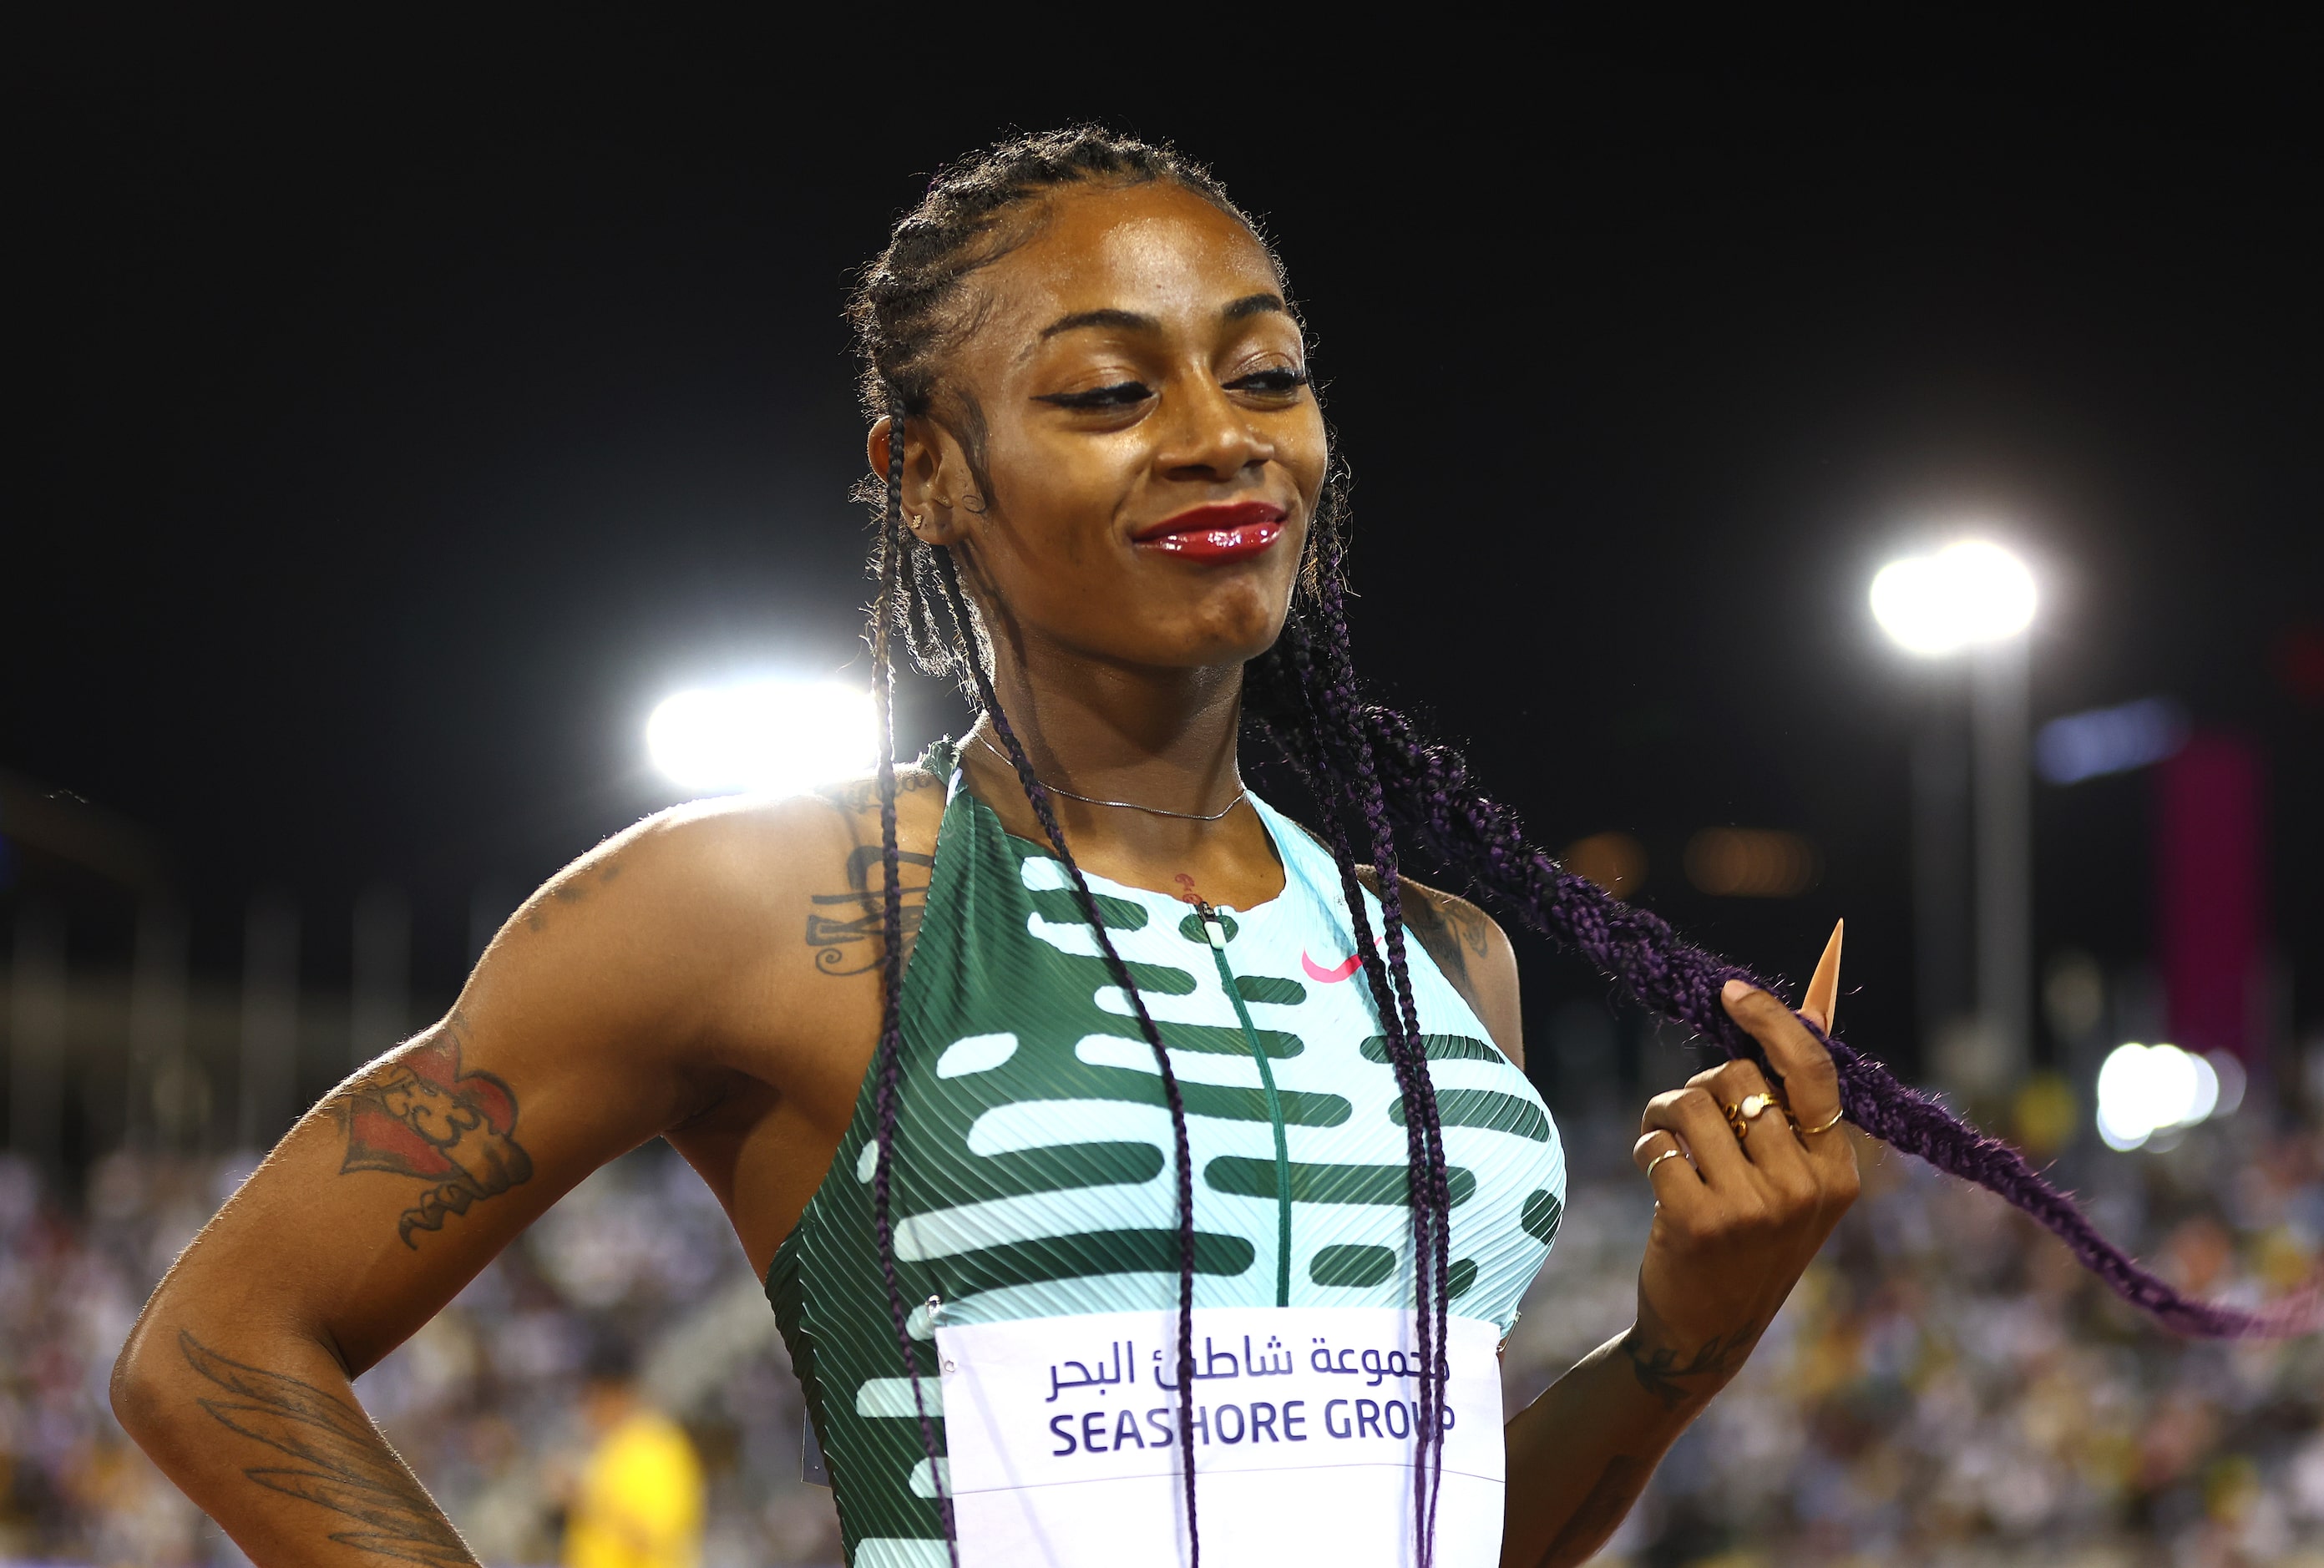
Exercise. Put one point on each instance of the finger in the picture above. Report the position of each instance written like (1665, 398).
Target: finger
(1810, 1083)
(1694, 1116)
(1768, 1138)
(1662, 1159)
(1653, 1146)
(1821, 1002)
(1727, 1083)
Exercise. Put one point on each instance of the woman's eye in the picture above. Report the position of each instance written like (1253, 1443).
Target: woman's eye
(1278, 384)
(1121, 394)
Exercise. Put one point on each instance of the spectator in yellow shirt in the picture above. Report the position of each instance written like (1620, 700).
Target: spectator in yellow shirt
(640, 1500)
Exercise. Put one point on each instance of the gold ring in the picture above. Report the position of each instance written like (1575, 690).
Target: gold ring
(1740, 1116)
(1827, 1126)
(1666, 1154)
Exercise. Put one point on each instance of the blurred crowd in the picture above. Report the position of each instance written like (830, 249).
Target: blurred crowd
(1948, 1387)
(1945, 1387)
(499, 1404)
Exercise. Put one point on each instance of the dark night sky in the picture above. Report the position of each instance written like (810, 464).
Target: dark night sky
(399, 431)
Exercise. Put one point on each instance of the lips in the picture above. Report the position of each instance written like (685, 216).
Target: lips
(1234, 531)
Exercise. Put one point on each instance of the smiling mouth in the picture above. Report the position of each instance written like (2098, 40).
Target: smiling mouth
(1236, 531)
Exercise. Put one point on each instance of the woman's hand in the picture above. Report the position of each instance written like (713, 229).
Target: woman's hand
(1738, 1218)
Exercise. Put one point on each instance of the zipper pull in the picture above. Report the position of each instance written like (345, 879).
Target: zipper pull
(1209, 919)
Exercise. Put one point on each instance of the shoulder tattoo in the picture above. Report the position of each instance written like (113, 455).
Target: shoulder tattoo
(858, 796)
(573, 890)
(1454, 933)
(845, 928)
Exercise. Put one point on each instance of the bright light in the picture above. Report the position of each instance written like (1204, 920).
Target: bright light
(2144, 1090)
(2207, 1089)
(769, 735)
(2232, 1081)
(2114, 740)
(1967, 593)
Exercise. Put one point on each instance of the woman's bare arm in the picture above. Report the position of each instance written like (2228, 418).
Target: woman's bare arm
(1727, 1246)
(627, 996)
(1736, 1221)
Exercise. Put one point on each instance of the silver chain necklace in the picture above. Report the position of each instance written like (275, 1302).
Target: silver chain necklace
(1241, 790)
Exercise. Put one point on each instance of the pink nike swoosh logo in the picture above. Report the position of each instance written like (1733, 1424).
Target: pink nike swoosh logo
(1333, 976)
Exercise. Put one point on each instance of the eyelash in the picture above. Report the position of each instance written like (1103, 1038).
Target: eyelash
(1127, 393)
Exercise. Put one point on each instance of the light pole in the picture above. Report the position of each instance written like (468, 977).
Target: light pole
(1975, 599)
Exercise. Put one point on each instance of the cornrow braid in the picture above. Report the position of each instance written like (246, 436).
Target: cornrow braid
(891, 975)
(1430, 1209)
(1432, 1219)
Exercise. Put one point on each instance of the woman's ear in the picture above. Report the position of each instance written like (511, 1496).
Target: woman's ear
(933, 462)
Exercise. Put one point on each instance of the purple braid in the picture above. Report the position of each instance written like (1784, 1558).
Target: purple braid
(1431, 797)
(891, 966)
(1340, 693)
(948, 576)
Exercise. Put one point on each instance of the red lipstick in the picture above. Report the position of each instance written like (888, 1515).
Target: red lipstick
(1230, 532)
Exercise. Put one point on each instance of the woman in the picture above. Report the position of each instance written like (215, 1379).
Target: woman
(1106, 505)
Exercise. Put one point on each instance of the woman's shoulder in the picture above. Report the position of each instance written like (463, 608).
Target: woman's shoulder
(758, 846)
(1470, 949)
(708, 870)
(1467, 943)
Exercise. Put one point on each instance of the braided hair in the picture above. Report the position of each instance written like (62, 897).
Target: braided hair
(1380, 783)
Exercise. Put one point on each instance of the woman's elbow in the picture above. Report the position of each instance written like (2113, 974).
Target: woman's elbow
(138, 1379)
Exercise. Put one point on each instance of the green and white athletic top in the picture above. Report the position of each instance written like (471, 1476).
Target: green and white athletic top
(1033, 1145)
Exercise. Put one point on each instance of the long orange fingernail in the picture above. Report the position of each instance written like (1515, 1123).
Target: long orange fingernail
(1821, 1002)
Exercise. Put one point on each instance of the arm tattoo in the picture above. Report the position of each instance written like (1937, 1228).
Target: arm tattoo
(857, 917)
(1602, 1511)
(337, 1459)
(1660, 1369)
(418, 1115)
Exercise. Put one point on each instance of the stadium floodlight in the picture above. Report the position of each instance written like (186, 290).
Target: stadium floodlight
(1974, 598)
(1968, 592)
(2144, 1090)
(763, 735)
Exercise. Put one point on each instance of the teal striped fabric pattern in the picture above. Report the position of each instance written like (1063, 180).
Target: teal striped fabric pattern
(1032, 1149)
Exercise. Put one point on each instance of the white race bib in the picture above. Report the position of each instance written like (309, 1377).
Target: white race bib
(1062, 1436)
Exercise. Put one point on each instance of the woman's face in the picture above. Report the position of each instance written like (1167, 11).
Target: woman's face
(1153, 449)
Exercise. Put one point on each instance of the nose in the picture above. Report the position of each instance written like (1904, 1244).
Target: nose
(1205, 435)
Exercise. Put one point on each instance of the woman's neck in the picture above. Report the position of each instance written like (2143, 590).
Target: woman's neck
(1163, 738)
(1159, 746)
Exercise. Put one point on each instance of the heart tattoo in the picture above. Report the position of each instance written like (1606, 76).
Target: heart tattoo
(418, 1115)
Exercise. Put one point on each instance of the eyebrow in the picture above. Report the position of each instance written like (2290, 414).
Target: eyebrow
(1242, 310)
(1252, 305)
(1124, 320)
